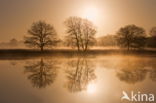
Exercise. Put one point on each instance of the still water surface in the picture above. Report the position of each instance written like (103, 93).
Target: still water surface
(99, 79)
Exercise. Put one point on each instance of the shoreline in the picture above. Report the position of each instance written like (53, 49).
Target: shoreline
(30, 53)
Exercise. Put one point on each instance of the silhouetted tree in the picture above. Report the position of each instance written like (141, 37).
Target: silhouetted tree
(131, 36)
(81, 33)
(79, 74)
(41, 35)
(153, 32)
(41, 73)
(151, 41)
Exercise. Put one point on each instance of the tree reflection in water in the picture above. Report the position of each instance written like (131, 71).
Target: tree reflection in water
(41, 73)
(132, 75)
(80, 73)
(132, 71)
(153, 74)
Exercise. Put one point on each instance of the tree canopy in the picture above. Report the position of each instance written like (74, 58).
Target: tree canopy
(80, 32)
(131, 36)
(41, 35)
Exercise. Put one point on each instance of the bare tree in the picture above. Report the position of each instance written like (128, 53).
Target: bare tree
(80, 32)
(41, 35)
(131, 36)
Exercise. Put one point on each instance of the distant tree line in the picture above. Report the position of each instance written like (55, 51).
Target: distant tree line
(130, 37)
(12, 44)
(81, 35)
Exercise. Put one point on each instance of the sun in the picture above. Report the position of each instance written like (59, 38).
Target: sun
(91, 88)
(91, 13)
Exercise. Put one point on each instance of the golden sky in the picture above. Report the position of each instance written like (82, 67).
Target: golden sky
(16, 16)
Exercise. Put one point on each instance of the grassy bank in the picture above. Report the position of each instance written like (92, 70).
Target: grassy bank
(29, 53)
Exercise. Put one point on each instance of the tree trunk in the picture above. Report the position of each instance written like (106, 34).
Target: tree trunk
(86, 48)
(128, 45)
(78, 48)
(128, 48)
(86, 45)
(41, 48)
(78, 45)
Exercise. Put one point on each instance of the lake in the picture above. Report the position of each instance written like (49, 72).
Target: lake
(76, 79)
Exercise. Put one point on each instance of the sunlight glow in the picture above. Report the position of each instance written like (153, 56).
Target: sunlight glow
(91, 13)
(91, 88)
